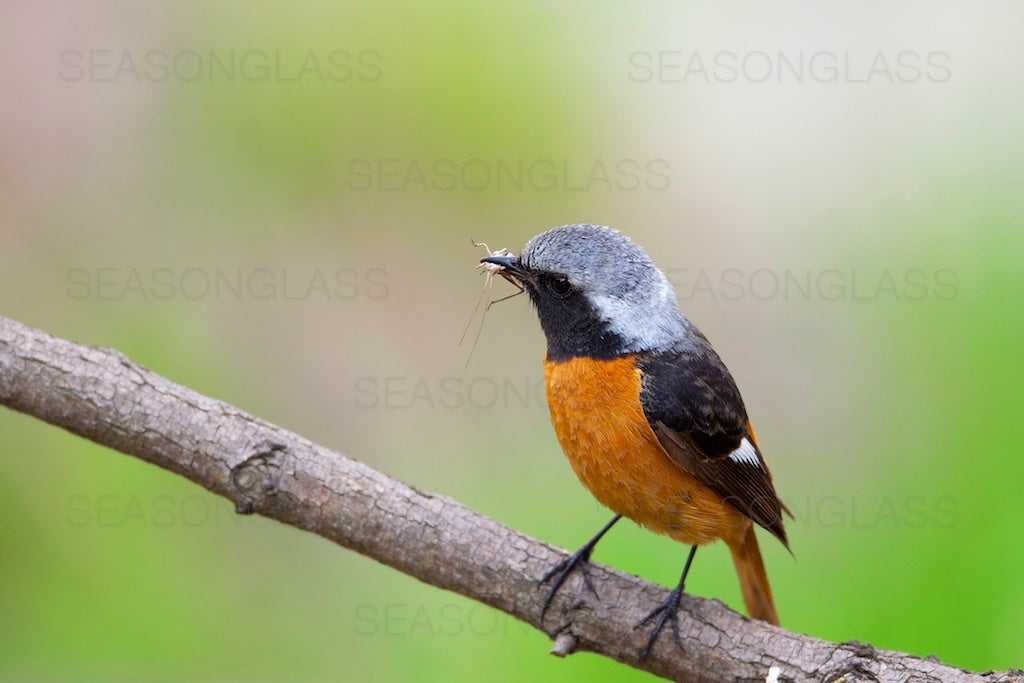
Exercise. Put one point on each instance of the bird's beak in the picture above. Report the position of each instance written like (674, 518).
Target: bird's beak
(509, 265)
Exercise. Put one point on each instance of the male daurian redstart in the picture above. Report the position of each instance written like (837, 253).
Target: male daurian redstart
(645, 410)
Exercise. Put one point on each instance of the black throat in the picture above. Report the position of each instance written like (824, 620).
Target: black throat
(574, 329)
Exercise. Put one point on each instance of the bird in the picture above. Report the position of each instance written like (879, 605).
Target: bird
(648, 415)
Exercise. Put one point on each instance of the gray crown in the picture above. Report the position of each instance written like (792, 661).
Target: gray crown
(631, 295)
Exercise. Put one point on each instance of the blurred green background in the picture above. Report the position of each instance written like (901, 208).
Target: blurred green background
(274, 206)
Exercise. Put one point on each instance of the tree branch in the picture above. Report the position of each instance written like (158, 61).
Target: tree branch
(100, 394)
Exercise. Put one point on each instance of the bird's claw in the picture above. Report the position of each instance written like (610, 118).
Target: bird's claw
(668, 611)
(561, 571)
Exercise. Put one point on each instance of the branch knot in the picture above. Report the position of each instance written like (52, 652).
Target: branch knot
(256, 477)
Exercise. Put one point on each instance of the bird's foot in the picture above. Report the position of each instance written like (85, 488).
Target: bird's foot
(561, 571)
(667, 611)
(578, 560)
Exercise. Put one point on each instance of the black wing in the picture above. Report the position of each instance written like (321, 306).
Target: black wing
(695, 410)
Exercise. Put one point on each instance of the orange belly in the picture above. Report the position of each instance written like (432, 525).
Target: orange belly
(600, 424)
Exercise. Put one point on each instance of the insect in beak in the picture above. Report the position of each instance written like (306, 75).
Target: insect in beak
(498, 262)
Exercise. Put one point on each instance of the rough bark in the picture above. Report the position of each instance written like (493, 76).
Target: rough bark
(100, 394)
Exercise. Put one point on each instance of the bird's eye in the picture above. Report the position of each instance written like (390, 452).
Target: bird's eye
(560, 286)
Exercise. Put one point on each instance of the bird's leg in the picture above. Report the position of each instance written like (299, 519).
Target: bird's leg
(668, 611)
(579, 559)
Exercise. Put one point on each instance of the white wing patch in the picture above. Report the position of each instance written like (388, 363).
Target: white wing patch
(746, 454)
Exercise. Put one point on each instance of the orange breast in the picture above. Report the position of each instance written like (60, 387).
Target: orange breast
(600, 424)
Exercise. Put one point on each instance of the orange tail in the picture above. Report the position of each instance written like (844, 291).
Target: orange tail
(757, 594)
